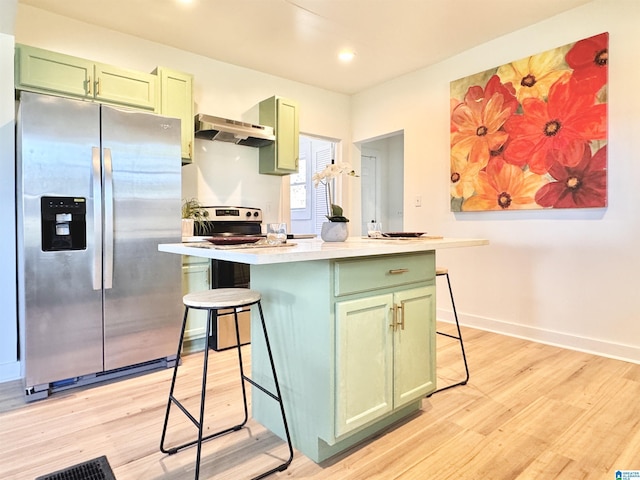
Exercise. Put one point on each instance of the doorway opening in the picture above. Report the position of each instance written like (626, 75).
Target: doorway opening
(309, 204)
(382, 195)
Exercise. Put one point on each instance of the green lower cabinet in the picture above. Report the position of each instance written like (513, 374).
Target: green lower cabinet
(353, 342)
(414, 345)
(384, 355)
(196, 276)
(364, 362)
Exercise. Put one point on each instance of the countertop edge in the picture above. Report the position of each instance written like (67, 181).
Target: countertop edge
(316, 249)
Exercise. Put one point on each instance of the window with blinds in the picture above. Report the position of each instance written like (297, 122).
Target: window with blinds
(308, 203)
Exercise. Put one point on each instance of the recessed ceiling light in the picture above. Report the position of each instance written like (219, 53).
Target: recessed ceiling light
(346, 55)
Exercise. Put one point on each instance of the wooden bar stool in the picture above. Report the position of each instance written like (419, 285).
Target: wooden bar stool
(443, 272)
(213, 301)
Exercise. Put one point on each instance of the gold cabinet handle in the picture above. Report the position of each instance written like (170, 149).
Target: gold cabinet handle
(97, 86)
(88, 86)
(394, 318)
(397, 271)
(401, 311)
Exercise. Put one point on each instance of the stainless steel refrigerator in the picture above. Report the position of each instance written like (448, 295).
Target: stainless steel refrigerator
(98, 189)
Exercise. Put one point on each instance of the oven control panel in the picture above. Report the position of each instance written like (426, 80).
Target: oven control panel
(234, 214)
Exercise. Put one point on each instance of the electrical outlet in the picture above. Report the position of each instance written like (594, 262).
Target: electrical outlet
(417, 202)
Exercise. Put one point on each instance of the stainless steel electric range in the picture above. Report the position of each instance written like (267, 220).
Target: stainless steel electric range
(227, 222)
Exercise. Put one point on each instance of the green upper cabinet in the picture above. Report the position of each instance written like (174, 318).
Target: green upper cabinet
(281, 157)
(125, 87)
(176, 100)
(44, 71)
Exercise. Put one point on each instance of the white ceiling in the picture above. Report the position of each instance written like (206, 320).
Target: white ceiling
(300, 39)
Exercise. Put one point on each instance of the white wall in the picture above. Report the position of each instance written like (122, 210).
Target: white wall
(564, 277)
(9, 368)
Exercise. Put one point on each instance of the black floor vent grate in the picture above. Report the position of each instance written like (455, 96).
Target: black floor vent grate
(96, 469)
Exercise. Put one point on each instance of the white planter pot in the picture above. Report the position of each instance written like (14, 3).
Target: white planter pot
(187, 227)
(334, 231)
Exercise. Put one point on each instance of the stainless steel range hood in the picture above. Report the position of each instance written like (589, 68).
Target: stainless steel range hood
(220, 129)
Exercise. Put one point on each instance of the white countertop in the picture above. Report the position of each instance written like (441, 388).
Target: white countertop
(300, 250)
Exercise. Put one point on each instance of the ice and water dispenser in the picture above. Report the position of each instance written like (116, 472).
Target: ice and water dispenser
(64, 223)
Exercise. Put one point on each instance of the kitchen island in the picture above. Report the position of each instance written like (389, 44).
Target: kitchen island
(352, 327)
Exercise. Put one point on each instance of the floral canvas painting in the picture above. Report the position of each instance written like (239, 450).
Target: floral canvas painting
(532, 134)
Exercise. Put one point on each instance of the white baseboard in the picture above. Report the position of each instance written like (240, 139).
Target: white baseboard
(9, 371)
(628, 353)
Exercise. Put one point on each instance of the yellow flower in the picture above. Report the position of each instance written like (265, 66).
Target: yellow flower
(533, 76)
(463, 174)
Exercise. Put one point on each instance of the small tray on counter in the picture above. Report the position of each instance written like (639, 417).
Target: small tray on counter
(233, 239)
(406, 236)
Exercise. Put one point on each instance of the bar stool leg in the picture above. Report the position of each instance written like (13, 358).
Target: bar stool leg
(199, 423)
(173, 384)
(284, 466)
(458, 337)
(241, 365)
(212, 313)
(203, 394)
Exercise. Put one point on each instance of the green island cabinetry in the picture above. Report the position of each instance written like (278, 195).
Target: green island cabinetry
(196, 274)
(49, 72)
(176, 100)
(355, 346)
(281, 157)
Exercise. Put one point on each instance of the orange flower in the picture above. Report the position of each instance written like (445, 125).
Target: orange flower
(504, 186)
(479, 120)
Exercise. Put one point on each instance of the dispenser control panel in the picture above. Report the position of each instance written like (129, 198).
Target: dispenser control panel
(63, 223)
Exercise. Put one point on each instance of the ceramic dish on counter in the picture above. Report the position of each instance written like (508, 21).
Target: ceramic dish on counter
(233, 239)
(402, 234)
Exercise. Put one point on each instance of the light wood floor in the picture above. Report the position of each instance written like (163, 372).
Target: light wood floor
(530, 411)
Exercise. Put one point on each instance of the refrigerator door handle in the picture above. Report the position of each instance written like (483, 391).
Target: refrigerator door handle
(97, 218)
(108, 219)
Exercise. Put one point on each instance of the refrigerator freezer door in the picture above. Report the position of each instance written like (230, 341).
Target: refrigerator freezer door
(142, 306)
(60, 311)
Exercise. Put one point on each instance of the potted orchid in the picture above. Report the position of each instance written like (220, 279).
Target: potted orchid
(334, 212)
(335, 230)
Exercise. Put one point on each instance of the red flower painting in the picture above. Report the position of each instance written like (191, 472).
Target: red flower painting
(537, 125)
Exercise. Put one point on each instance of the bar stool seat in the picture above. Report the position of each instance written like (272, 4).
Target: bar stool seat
(221, 298)
(213, 301)
(440, 272)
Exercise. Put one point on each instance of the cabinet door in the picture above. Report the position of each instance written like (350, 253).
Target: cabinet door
(364, 362)
(125, 87)
(414, 345)
(49, 72)
(287, 136)
(281, 157)
(176, 100)
(196, 276)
